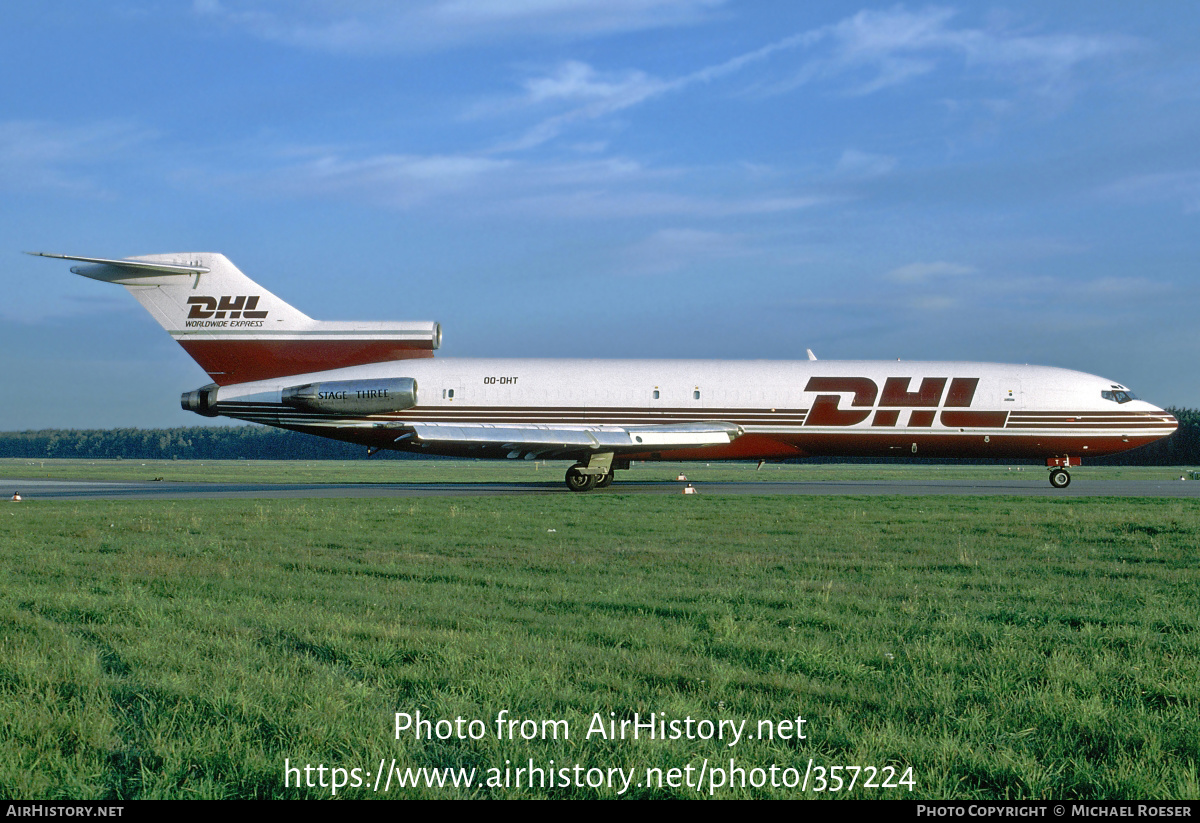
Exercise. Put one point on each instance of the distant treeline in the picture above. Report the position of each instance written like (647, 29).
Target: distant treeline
(263, 443)
(192, 443)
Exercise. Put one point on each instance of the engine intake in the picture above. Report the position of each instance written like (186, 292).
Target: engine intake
(353, 396)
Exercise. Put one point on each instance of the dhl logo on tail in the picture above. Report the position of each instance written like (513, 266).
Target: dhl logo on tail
(206, 308)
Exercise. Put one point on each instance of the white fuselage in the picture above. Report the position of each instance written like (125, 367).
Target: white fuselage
(785, 408)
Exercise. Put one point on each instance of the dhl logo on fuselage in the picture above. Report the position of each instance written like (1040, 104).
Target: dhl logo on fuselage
(206, 308)
(896, 397)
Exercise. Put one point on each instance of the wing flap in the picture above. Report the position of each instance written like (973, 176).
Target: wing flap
(593, 438)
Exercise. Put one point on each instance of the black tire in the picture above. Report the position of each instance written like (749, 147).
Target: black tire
(579, 482)
(1060, 478)
(605, 481)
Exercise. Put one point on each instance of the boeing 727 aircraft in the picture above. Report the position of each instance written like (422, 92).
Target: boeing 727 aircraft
(378, 385)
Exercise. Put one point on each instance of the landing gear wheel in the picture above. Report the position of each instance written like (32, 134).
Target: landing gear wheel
(604, 481)
(1060, 479)
(579, 482)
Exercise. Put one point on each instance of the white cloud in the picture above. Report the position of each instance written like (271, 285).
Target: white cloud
(588, 94)
(1122, 288)
(37, 154)
(854, 163)
(634, 202)
(601, 188)
(863, 54)
(876, 50)
(933, 303)
(1181, 186)
(670, 250)
(396, 180)
(574, 81)
(926, 272)
(423, 25)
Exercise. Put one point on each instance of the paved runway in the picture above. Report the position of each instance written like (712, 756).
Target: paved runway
(1032, 486)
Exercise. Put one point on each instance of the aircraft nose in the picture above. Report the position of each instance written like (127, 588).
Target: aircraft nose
(1164, 417)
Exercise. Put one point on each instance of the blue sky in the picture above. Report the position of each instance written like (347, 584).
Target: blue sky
(1017, 182)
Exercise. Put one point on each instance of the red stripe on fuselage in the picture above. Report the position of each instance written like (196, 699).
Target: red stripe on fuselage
(244, 361)
(753, 445)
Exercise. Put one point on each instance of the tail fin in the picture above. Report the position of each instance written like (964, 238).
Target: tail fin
(238, 331)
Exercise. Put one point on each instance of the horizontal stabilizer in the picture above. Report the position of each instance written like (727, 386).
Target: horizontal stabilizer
(132, 267)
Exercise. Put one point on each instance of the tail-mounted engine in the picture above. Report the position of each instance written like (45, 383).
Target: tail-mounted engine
(353, 396)
(201, 401)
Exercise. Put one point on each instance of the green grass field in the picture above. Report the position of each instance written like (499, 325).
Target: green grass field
(502, 471)
(999, 647)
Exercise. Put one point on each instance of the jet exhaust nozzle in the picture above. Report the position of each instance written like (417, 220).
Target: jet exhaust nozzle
(201, 401)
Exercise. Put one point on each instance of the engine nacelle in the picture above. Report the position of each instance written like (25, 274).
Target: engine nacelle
(353, 396)
(201, 401)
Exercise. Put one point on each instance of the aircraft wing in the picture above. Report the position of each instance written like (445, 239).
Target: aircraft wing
(574, 439)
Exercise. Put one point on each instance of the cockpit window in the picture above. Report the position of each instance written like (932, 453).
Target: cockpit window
(1118, 396)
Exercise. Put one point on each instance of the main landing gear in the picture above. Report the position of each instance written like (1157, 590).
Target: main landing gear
(596, 473)
(1060, 478)
(577, 481)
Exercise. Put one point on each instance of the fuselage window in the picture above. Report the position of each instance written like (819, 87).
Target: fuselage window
(696, 394)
